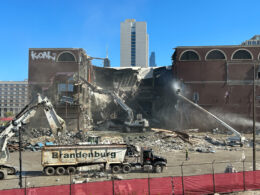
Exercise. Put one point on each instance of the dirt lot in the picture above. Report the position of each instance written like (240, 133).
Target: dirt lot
(32, 168)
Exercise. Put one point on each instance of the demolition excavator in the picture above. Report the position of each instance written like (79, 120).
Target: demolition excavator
(56, 123)
(237, 139)
(131, 123)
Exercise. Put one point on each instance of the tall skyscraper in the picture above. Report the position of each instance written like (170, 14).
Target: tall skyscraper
(133, 44)
(152, 60)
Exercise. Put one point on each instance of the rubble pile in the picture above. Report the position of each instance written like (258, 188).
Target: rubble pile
(160, 141)
(164, 142)
(34, 139)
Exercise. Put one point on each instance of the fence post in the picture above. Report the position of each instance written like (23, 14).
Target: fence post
(20, 158)
(70, 183)
(148, 171)
(213, 176)
(113, 186)
(183, 192)
(244, 176)
(172, 185)
(25, 185)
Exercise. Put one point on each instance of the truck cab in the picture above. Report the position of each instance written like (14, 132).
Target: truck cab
(151, 161)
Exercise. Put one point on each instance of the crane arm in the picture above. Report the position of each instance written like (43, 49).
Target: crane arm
(56, 123)
(212, 115)
(115, 97)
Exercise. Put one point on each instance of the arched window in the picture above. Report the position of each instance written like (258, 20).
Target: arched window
(215, 55)
(189, 55)
(66, 57)
(242, 54)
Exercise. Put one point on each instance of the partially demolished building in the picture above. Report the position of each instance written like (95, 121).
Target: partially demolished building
(146, 90)
(55, 72)
(59, 73)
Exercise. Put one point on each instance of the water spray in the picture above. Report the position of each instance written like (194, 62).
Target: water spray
(237, 138)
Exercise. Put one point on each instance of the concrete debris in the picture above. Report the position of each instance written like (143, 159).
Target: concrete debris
(75, 181)
(117, 177)
(214, 141)
(160, 140)
(42, 139)
(112, 140)
(205, 150)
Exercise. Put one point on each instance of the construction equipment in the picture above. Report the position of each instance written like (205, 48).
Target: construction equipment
(62, 160)
(236, 139)
(131, 123)
(56, 123)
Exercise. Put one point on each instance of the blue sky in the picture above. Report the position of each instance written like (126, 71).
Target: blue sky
(95, 26)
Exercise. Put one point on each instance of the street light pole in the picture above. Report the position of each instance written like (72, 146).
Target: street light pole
(20, 158)
(254, 113)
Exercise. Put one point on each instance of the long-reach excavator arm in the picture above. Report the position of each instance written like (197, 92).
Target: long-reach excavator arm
(115, 97)
(237, 138)
(56, 123)
(131, 123)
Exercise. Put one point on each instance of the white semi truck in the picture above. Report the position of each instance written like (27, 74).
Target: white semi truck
(62, 160)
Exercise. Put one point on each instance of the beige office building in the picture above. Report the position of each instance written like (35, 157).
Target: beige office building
(133, 44)
(13, 96)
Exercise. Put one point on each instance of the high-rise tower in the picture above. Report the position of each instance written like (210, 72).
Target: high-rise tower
(133, 44)
(152, 60)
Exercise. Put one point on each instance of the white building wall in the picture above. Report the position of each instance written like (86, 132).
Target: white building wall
(125, 44)
(141, 44)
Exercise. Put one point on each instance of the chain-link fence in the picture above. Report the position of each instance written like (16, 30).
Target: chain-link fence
(186, 178)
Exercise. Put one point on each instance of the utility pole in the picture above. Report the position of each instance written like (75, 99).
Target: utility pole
(254, 113)
(20, 158)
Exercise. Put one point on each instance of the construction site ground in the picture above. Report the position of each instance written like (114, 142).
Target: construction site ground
(32, 169)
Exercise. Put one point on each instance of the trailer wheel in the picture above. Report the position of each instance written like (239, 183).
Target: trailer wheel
(49, 171)
(2, 175)
(158, 169)
(71, 170)
(60, 171)
(115, 169)
(126, 169)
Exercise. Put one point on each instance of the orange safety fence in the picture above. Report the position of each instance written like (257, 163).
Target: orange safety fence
(252, 180)
(133, 186)
(199, 184)
(163, 185)
(94, 188)
(12, 192)
(229, 182)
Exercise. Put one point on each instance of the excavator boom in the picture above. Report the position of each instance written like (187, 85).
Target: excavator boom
(56, 123)
(237, 138)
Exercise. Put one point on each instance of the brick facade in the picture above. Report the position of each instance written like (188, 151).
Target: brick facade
(219, 84)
